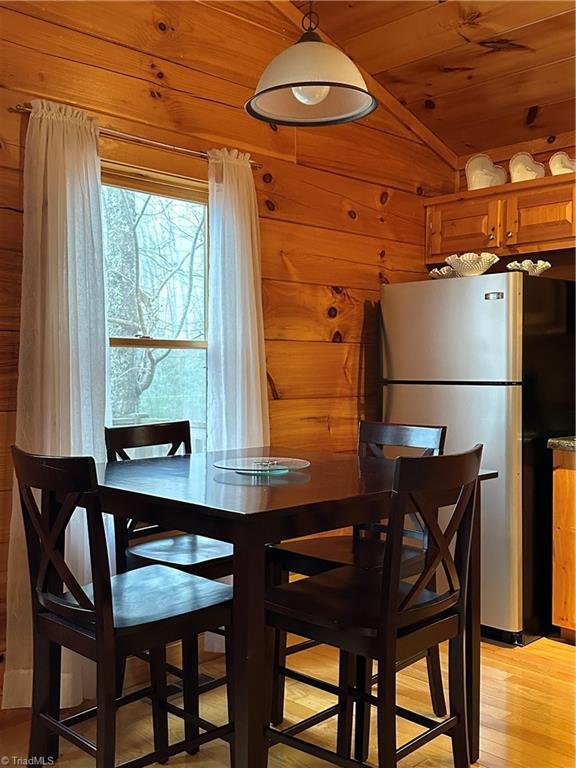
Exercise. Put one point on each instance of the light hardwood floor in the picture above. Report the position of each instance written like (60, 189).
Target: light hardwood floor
(528, 715)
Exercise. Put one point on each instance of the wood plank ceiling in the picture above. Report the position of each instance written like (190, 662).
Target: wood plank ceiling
(478, 74)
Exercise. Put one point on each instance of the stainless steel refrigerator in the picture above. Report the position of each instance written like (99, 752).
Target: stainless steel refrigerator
(491, 357)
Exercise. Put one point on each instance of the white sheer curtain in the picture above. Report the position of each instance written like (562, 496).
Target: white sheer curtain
(237, 392)
(237, 403)
(62, 366)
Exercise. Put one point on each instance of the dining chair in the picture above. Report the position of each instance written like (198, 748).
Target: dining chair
(381, 615)
(137, 545)
(133, 543)
(364, 547)
(109, 618)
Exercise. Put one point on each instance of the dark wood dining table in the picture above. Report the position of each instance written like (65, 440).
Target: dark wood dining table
(188, 493)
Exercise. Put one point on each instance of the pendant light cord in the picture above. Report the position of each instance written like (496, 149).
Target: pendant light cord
(310, 20)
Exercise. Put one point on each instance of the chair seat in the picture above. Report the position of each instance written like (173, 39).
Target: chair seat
(313, 556)
(198, 554)
(156, 593)
(349, 599)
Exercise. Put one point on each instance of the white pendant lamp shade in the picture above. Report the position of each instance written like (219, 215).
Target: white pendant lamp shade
(311, 83)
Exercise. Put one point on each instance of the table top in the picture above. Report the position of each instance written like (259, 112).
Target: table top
(192, 480)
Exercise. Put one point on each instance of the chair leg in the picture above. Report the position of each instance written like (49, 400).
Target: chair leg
(106, 713)
(387, 713)
(435, 681)
(230, 689)
(191, 681)
(363, 709)
(120, 675)
(346, 704)
(279, 660)
(43, 743)
(159, 693)
(457, 694)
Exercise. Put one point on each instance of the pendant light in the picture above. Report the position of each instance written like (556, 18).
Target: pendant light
(311, 83)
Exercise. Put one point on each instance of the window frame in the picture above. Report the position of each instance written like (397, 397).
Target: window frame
(165, 185)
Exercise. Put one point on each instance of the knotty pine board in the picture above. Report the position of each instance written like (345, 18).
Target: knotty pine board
(10, 279)
(303, 312)
(319, 423)
(316, 370)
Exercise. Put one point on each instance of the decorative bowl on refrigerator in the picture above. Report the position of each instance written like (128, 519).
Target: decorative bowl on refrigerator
(470, 264)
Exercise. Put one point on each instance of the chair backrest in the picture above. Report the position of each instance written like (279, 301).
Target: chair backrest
(63, 485)
(176, 434)
(373, 436)
(421, 485)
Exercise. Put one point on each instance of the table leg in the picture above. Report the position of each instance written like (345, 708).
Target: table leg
(251, 673)
(473, 637)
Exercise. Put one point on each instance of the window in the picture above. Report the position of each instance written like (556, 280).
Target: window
(155, 250)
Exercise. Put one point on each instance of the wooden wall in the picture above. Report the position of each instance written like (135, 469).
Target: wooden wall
(341, 207)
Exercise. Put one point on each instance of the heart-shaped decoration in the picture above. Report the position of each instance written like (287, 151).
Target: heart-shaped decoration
(481, 173)
(561, 163)
(523, 167)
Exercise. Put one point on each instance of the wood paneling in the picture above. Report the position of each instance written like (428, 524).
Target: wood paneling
(313, 255)
(333, 228)
(231, 49)
(479, 75)
(472, 63)
(10, 230)
(350, 150)
(318, 313)
(290, 192)
(554, 84)
(320, 422)
(8, 369)
(442, 27)
(7, 435)
(10, 278)
(564, 540)
(115, 94)
(11, 188)
(519, 126)
(298, 369)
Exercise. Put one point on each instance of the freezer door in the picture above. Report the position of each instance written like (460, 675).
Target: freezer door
(491, 415)
(462, 329)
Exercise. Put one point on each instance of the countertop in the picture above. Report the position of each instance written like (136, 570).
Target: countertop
(562, 443)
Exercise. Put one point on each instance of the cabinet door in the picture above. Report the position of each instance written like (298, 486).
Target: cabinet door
(534, 216)
(464, 225)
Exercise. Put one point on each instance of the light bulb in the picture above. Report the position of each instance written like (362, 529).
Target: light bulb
(311, 94)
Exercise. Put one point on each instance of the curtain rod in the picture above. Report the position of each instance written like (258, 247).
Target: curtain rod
(26, 109)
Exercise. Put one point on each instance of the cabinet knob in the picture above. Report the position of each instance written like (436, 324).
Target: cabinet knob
(509, 234)
(491, 236)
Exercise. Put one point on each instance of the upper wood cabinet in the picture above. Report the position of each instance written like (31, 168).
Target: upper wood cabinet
(539, 215)
(464, 225)
(513, 218)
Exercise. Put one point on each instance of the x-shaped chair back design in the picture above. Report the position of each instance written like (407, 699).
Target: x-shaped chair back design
(65, 485)
(421, 485)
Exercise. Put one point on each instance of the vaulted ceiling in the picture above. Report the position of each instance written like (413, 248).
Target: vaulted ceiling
(478, 74)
